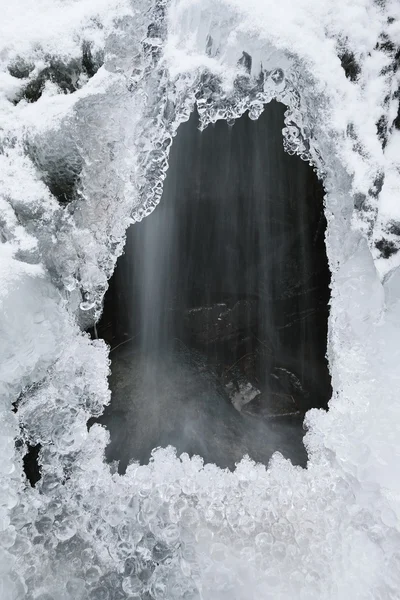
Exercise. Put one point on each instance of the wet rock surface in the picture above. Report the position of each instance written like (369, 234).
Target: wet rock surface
(272, 405)
(219, 323)
(178, 400)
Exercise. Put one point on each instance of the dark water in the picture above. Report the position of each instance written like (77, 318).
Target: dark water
(174, 400)
(229, 273)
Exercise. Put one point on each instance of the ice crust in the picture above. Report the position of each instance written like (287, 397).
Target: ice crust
(175, 528)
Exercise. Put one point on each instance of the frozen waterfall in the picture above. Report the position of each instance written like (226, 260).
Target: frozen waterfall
(217, 311)
(95, 100)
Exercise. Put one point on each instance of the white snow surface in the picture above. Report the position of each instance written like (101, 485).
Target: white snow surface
(176, 528)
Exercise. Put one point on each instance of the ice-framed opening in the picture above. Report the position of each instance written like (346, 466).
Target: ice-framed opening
(229, 276)
(330, 531)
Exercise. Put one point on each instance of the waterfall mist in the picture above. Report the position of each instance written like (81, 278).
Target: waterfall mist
(217, 312)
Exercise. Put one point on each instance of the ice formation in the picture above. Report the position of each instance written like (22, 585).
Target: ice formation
(91, 96)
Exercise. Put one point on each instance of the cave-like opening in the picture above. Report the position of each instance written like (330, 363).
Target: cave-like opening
(217, 311)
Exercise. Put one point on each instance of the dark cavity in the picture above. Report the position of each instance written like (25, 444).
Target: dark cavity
(217, 311)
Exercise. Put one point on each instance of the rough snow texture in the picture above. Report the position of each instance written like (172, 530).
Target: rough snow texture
(91, 95)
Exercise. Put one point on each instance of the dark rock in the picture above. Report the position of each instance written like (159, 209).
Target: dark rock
(60, 167)
(218, 323)
(396, 60)
(64, 75)
(377, 186)
(386, 247)
(20, 68)
(90, 63)
(271, 406)
(350, 65)
(396, 122)
(359, 200)
(31, 464)
(394, 228)
(209, 44)
(246, 62)
(385, 44)
(277, 76)
(382, 129)
(288, 383)
(63, 181)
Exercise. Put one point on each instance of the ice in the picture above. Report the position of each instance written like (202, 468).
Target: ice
(175, 528)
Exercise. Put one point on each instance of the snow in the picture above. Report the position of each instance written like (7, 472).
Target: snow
(56, 27)
(175, 528)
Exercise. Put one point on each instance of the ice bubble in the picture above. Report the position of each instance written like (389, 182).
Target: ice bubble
(125, 531)
(21, 546)
(215, 515)
(132, 584)
(99, 593)
(112, 514)
(7, 561)
(4, 520)
(188, 551)
(92, 574)
(49, 483)
(218, 552)
(264, 541)
(145, 568)
(7, 537)
(204, 536)
(279, 551)
(67, 437)
(44, 524)
(75, 587)
(248, 554)
(124, 549)
(8, 497)
(87, 556)
(189, 517)
(282, 530)
(171, 534)
(158, 590)
(65, 529)
(149, 509)
(161, 552)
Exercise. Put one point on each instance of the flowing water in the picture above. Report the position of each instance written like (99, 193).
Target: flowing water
(218, 309)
